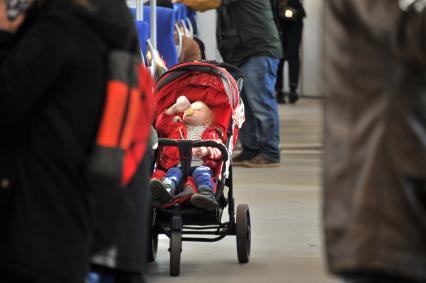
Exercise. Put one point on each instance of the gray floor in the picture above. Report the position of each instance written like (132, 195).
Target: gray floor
(285, 210)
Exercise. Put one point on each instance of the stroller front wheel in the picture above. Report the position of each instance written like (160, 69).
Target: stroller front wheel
(243, 231)
(153, 247)
(175, 251)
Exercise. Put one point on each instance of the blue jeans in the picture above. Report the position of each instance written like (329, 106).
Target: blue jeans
(260, 132)
(201, 174)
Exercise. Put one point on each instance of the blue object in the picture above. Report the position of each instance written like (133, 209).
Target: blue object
(183, 12)
(92, 277)
(165, 40)
(142, 28)
(191, 15)
(202, 176)
(177, 11)
(165, 26)
(173, 177)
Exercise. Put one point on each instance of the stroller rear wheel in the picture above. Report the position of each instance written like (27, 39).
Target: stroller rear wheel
(175, 251)
(243, 231)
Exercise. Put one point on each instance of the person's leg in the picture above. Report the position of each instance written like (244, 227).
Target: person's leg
(279, 86)
(205, 197)
(259, 81)
(249, 133)
(173, 178)
(203, 178)
(295, 39)
(164, 190)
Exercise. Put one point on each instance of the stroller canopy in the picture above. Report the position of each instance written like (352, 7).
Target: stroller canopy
(201, 81)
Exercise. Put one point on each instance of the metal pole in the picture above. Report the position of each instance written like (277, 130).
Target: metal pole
(153, 13)
(139, 10)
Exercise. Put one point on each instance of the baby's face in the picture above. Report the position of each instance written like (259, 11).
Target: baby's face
(197, 115)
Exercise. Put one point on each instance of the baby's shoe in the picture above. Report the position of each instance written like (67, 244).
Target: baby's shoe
(161, 191)
(204, 199)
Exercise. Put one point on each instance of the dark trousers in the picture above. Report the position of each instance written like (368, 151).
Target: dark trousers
(291, 40)
(374, 277)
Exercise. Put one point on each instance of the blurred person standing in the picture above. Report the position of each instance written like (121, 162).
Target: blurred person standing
(120, 242)
(290, 17)
(248, 37)
(375, 140)
(53, 77)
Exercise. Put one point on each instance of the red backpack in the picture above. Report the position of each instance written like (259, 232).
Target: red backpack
(124, 130)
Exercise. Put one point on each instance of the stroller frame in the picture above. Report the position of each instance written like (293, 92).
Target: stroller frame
(192, 224)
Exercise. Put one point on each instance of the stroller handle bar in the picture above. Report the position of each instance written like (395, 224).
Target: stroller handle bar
(197, 143)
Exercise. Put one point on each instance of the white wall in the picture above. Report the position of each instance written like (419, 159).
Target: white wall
(207, 33)
(311, 48)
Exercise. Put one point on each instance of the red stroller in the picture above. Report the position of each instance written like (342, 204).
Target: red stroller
(213, 84)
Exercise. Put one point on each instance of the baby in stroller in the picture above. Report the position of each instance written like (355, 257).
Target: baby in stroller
(195, 121)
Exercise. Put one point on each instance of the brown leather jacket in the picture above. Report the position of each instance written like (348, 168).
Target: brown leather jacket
(375, 137)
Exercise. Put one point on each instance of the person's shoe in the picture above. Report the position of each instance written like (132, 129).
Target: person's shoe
(204, 199)
(160, 191)
(241, 158)
(280, 97)
(293, 97)
(281, 100)
(259, 161)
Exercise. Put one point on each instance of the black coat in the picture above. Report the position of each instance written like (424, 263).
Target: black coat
(52, 80)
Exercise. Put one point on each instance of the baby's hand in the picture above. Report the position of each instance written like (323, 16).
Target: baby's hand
(200, 152)
(181, 104)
